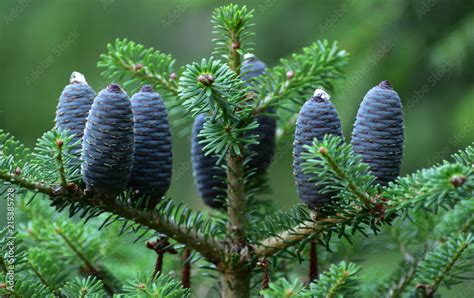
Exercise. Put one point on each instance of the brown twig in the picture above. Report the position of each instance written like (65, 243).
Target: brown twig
(161, 246)
(186, 271)
(313, 262)
(266, 273)
(209, 248)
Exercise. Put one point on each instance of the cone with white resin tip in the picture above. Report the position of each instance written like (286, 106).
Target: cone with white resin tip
(108, 143)
(252, 67)
(318, 117)
(74, 104)
(378, 132)
(152, 157)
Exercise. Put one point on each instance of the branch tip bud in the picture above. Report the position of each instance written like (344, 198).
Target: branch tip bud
(290, 74)
(323, 150)
(206, 79)
(59, 143)
(235, 45)
(138, 67)
(458, 180)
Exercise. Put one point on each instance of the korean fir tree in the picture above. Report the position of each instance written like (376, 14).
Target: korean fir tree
(115, 173)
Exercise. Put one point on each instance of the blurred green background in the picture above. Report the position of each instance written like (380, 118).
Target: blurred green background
(423, 47)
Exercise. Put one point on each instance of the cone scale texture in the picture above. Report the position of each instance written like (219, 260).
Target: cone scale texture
(209, 178)
(74, 104)
(317, 118)
(378, 132)
(108, 142)
(252, 67)
(152, 157)
(264, 151)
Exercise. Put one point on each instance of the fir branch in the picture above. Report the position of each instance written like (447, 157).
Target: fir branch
(347, 171)
(346, 175)
(442, 186)
(162, 286)
(184, 229)
(465, 157)
(232, 24)
(82, 288)
(283, 288)
(339, 281)
(91, 268)
(285, 239)
(289, 84)
(398, 284)
(211, 87)
(129, 61)
(445, 264)
(56, 158)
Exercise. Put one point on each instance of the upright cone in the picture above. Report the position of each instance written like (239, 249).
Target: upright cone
(317, 118)
(252, 67)
(108, 142)
(152, 157)
(264, 151)
(209, 177)
(74, 104)
(378, 132)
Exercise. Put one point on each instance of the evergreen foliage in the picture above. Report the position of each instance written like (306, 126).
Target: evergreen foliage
(65, 250)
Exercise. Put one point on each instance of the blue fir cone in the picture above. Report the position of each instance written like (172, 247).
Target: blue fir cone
(74, 104)
(378, 132)
(318, 117)
(263, 152)
(209, 177)
(108, 142)
(252, 67)
(152, 157)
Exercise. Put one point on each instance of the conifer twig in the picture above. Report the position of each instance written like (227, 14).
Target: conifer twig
(288, 238)
(208, 247)
(186, 271)
(340, 172)
(313, 262)
(88, 264)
